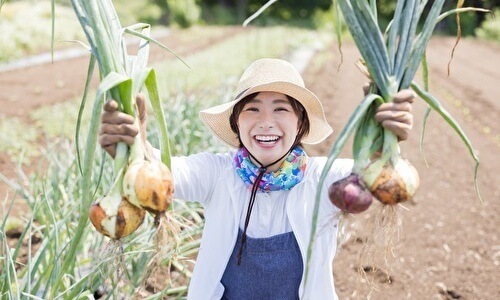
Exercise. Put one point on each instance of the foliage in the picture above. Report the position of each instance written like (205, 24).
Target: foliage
(490, 28)
(291, 12)
(26, 28)
(15, 139)
(54, 198)
(183, 13)
(390, 58)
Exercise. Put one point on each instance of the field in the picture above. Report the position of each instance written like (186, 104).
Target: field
(449, 245)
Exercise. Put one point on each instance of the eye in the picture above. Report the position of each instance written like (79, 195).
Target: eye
(251, 108)
(282, 108)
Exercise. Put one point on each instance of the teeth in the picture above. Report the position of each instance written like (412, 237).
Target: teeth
(267, 138)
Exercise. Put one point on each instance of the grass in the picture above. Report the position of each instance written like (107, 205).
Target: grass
(16, 139)
(26, 25)
(26, 28)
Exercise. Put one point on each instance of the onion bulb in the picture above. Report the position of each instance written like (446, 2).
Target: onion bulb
(395, 183)
(115, 217)
(350, 195)
(147, 183)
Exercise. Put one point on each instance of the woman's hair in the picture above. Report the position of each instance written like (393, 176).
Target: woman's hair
(298, 108)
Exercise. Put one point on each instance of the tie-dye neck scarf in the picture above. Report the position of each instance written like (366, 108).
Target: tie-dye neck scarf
(286, 177)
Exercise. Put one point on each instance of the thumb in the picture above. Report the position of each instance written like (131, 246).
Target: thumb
(111, 106)
(140, 101)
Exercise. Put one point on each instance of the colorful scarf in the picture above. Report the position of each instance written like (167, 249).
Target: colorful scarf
(286, 177)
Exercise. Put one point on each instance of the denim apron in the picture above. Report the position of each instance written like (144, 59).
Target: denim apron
(271, 268)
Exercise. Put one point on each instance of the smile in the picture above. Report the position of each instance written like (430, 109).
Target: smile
(267, 138)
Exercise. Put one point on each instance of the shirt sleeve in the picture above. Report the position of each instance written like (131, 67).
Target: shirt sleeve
(341, 168)
(195, 176)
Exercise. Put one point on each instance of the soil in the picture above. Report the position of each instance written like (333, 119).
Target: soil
(449, 243)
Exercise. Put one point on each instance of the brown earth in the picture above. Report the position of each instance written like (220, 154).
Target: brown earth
(449, 246)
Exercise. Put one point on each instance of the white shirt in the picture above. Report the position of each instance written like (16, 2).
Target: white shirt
(212, 181)
(268, 216)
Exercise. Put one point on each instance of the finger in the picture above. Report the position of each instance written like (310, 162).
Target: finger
(111, 106)
(140, 100)
(117, 117)
(107, 140)
(397, 116)
(401, 130)
(119, 129)
(405, 95)
(366, 88)
(111, 150)
(393, 106)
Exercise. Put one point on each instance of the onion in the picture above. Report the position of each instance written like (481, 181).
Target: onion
(350, 195)
(147, 183)
(154, 186)
(115, 217)
(396, 183)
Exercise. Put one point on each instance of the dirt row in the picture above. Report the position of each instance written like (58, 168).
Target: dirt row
(449, 246)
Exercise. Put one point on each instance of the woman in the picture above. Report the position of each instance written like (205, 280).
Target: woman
(258, 199)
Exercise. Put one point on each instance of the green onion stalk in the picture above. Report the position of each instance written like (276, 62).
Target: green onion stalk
(390, 59)
(122, 77)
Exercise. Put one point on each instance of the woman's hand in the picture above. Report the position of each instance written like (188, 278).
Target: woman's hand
(397, 115)
(117, 126)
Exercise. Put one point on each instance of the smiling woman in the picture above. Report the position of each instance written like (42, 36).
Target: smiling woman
(258, 200)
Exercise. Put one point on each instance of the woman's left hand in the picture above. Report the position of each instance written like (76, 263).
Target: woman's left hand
(396, 116)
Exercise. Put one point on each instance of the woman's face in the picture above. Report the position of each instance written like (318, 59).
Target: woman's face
(268, 127)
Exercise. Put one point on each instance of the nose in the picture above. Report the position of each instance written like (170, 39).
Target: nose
(266, 126)
(266, 120)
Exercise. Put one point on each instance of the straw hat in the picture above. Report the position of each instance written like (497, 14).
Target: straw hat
(269, 75)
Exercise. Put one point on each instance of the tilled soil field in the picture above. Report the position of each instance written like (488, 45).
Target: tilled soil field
(449, 246)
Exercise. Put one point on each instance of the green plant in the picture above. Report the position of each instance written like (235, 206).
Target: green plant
(490, 28)
(30, 265)
(390, 59)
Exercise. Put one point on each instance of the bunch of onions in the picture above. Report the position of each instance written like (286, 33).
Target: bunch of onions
(122, 76)
(391, 59)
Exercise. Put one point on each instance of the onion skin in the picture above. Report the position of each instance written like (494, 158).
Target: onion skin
(116, 225)
(129, 180)
(350, 195)
(396, 184)
(154, 187)
(129, 218)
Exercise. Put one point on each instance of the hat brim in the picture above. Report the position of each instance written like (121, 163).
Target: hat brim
(217, 117)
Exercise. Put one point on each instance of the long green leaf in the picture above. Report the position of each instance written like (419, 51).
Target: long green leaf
(373, 33)
(152, 40)
(421, 44)
(258, 12)
(436, 105)
(350, 127)
(87, 200)
(90, 72)
(379, 72)
(393, 30)
(410, 20)
(461, 10)
(154, 98)
(425, 79)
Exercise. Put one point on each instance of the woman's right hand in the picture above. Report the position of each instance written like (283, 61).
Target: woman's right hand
(117, 126)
